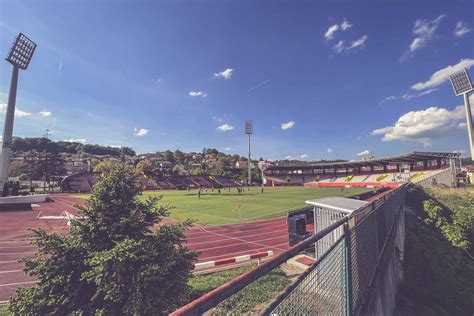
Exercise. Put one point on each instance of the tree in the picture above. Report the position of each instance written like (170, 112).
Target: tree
(111, 262)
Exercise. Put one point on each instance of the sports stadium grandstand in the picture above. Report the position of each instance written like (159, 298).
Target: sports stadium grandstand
(419, 167)
(84, 181)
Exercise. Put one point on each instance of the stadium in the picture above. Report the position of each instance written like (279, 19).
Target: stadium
(118, 209)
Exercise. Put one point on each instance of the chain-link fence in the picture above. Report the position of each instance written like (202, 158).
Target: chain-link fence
(337, 283)
(340, 282)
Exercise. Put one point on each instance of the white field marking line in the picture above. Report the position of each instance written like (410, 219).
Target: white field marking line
(17, 240)
(231, 226)
(11, 271)
(226, 218)
(238, 252)
(18, 283)
(17, 253)
(246, 236)
(241, 242)
(17, 246)
(231, 233)
(9, 261)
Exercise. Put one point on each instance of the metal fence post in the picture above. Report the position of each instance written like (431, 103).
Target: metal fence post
(348, 269)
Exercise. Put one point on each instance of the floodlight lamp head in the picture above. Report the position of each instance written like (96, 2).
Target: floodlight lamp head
(21, 52)
(461, 82)
(249, 127)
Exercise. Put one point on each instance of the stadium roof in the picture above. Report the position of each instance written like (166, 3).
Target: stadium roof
(405, 158)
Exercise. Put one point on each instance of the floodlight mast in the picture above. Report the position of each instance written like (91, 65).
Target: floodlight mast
(249, 131)
(462, 85)
(19, 56)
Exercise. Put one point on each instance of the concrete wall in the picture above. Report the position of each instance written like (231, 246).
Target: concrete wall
(389, 274)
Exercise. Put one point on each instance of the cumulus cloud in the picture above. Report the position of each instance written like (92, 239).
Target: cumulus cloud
(225, 127)
(422, 126)
(330, 150)
(330, 33)
(140, 131)
(287, 125)
(227, 149)
(75, 140)
(342, 46)
(461, 29)
(364, 153)
(197, 94)
(304, 156)
(45, 113)
(226, 74)
(289, 157)
(442, 75)
(18, 112)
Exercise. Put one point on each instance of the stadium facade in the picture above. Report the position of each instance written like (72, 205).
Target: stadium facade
(430, 168)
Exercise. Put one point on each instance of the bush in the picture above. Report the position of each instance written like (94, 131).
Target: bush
(111, 262)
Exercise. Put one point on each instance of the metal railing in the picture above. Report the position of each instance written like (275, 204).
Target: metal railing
(341, 279)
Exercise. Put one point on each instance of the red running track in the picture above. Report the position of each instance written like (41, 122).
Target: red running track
(212, 243)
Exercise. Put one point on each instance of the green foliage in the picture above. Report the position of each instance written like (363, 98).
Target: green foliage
(44, 144)
(111, 262)
(439, 277)
(457, 225)
(246, 301)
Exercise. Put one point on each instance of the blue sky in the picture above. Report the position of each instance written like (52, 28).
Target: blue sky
(329, 79)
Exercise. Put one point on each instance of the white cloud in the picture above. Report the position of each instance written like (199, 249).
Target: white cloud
(331, 31)
(421, 126)
(289, 157)
(304, 156)
(225, 128)
(45, 113)
(387, 99)
(197, 94)
(461, 29)
(442, 75)
(140, 132)
(424, 31)
(364, 153)
(342, 46)
(227, 149)
(408, 96)
(116, 146)
(287, 125)
(18, 112)
(345, 25)
(75, 140)
(226, 74)
(330, 150)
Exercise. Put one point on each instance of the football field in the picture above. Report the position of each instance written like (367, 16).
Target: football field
(230, 207)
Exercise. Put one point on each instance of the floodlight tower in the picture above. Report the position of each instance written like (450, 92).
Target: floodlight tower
(249, 131)
(463, 85)
(19, 56)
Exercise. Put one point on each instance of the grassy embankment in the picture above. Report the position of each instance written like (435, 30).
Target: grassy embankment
(439, 268)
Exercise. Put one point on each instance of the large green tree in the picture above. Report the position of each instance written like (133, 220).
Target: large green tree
(115, 260)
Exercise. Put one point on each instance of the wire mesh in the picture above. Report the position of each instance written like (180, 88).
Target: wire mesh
(322, 291)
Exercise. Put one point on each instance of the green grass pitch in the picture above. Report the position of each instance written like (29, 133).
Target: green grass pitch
(219, 209)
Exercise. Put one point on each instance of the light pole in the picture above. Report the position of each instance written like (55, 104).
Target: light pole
(249, 131)
(20, 57)
(463, 85)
